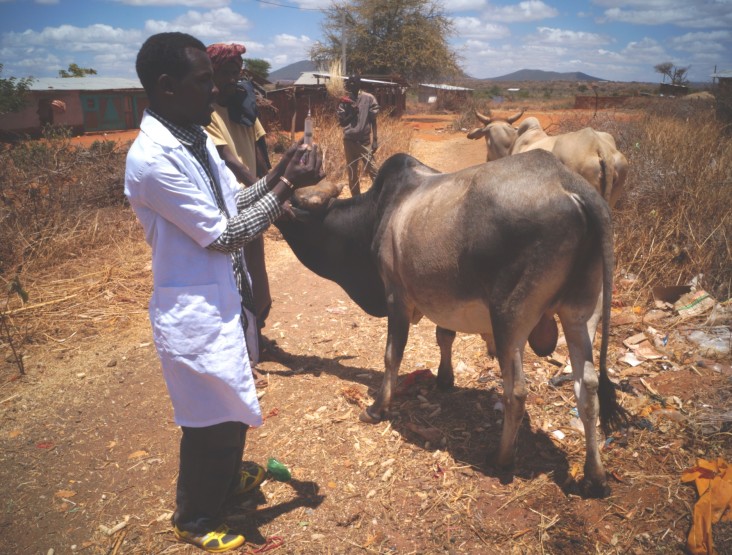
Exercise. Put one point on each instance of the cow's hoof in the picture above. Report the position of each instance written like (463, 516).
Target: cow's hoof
(368, 417)
(594, 490)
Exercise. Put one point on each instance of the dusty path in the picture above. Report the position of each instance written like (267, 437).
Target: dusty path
(437, 146)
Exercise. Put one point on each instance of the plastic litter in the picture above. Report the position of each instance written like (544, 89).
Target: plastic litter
(671, 414)
(278, 471)
(714, 343)
(713, 481)
(694, 303)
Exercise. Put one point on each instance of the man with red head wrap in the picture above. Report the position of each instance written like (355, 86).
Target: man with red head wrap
(237, 138)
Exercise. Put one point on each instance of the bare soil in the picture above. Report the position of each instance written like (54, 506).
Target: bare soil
(89, 447)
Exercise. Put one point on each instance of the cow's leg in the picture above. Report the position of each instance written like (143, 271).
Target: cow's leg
(445, 376)
(594, 320)
(514, 399)
(585, 390)
(396, 340)
(490, 344)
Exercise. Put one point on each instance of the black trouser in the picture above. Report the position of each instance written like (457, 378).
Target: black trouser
(210, 464)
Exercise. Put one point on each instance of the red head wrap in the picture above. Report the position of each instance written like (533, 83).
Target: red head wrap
(222, 53)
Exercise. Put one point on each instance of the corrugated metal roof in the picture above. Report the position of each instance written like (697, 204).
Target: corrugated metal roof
(726, 74)
(311, 78)
(444, 87)
(83, 84)
(319, 78)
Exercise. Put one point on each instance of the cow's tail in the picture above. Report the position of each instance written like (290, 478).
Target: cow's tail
(612, 414)
(607, 173)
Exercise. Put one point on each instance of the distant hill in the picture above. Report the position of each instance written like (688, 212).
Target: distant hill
(291, 72)
(539, 75)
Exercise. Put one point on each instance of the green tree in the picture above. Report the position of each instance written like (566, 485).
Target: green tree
(76, 71)
(13, 93)
(406, 37)
(257, 67)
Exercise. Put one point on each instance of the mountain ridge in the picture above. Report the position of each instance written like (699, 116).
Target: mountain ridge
(292, 71)
(541, 75)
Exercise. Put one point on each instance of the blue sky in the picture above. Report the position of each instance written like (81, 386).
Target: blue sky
(619, 40)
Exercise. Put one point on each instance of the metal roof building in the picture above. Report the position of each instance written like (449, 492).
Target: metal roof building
(84, 84)
(85, 104)
(433, 93)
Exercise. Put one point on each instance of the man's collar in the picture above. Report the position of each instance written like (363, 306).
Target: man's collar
(188, 135)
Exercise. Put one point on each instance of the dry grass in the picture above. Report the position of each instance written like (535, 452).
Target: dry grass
(674, 221)
(336, 85)
(394, 137)
(51, 191)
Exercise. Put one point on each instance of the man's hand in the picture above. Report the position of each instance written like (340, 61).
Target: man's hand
(305, 167)
(287, 213)
(279, 169)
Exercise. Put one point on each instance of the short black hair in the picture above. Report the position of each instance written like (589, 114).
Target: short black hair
(165, 53)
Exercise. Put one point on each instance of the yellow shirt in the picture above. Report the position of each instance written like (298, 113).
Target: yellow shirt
(238, 137)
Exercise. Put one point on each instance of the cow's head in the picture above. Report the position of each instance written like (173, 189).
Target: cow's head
(498, 132)
(313, 202)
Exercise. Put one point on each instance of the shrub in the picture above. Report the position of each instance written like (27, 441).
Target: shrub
(673, 222)
(48, 188)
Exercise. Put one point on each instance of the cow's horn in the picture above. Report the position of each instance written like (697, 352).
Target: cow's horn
(316, 197)
(516, 116)
(485, 119)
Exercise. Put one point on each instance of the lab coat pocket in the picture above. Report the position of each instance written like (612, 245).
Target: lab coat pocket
(187, 320)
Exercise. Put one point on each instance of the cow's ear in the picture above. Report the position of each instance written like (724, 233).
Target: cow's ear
(477, 133)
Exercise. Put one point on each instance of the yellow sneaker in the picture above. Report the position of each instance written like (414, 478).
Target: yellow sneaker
(220, 540)
(252, 475)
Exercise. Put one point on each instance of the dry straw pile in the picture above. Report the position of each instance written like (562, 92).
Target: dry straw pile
(336, 85)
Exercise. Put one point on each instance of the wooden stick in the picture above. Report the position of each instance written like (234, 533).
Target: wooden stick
(39, 305)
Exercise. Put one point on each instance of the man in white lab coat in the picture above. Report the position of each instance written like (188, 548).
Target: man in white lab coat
(196, 219)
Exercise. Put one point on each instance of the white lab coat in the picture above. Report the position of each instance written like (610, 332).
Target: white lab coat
(195, 309)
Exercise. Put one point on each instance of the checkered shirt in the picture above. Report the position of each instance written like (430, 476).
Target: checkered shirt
(257, 208)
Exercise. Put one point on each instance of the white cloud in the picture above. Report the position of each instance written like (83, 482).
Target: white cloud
(549, 35)
(701, 43)
(529, 10)
(310, 4)
(472, 27)
(45, 52)
(682, 13)
(646, 50)
(220, 25)
(187, 3)
(72, 38)
(291, 41)
(462, 5)
(283, 50)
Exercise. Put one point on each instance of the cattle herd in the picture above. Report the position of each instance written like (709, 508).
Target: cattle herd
(496, 249)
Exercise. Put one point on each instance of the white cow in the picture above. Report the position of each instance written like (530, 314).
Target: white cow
(592, 154)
